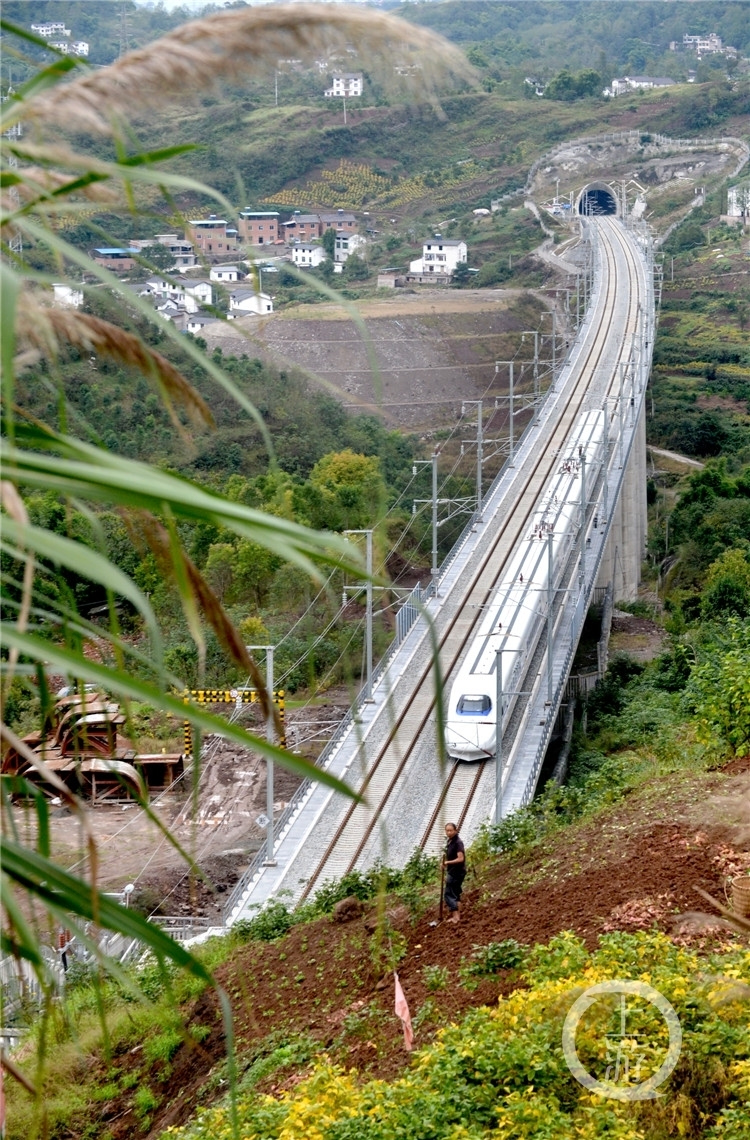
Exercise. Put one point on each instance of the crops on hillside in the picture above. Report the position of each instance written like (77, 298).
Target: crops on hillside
(350, 185)
(503, 1068)
(353, 185)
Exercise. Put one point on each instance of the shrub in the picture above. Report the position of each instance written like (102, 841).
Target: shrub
(144, 1101)
(435, 977)
(269, 924)
(718, 691)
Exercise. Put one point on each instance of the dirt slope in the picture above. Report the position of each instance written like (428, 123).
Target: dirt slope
(432, 349)
(635, 866)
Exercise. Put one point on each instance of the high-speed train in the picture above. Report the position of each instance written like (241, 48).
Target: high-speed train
(518, 607)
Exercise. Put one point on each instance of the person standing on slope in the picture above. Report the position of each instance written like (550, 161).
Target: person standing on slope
(454, 862)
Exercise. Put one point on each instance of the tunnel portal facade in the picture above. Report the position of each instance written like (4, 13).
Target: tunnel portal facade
(597, 200)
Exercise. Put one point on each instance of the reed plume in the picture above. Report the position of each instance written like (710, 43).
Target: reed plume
(45, 329)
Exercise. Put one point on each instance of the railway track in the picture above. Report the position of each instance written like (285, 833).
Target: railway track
(391, 761)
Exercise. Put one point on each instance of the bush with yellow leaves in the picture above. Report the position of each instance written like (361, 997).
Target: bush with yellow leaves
(502, 1074)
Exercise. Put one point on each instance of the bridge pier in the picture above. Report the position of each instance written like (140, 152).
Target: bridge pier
(626, 545)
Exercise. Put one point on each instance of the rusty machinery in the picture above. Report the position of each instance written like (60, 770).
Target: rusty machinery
(81, 743)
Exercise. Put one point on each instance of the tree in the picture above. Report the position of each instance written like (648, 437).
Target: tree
(328, 241)
(220, 568)
(254, 568)
(567, 85)
(355, 269)
(461, 275)
(158, 256)
(727, 589)
(353, 486)
(719, 689)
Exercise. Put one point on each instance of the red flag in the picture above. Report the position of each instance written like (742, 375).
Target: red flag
(402, 1011)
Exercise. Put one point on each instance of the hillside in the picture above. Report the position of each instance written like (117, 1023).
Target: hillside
(590, 883)
(433, 349)
(322, 993)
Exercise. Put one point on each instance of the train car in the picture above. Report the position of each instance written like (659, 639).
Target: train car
(517, 610)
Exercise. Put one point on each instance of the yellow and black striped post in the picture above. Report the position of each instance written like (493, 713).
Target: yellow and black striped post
(226, 697)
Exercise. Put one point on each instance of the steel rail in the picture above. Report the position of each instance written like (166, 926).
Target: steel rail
(459, 817)
(414, 716)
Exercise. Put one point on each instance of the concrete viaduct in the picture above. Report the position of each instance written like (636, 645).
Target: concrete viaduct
(388, 748)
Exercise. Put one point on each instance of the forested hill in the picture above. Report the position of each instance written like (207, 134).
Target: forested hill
(498, 36)
(634, 36)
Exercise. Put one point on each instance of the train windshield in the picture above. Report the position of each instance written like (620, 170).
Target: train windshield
(474, 706)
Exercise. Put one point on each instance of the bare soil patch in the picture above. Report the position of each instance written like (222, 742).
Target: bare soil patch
(639, 637)
(430, 349)
(740, 407)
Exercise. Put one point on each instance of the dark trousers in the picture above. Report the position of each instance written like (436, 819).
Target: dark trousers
(454, 885)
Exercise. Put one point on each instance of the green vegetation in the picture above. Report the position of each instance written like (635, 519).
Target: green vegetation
(503, 40)
(567, 85)
(701, 375)
(500, 1072)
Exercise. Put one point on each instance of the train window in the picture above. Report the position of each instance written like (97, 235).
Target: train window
(474, 706)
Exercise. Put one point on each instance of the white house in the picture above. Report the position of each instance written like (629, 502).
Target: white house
(198, 321)
(68, 296)
(229, 273)
(347, 244)
(439, 256)
(174, 312)
(638, 83)
(79, 47)
(192, 295)
(306, 255)
(243, 301)
(703, 45)
(347, 85)
(50, 28)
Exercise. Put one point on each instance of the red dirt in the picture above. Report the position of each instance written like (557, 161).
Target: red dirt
(636, 866)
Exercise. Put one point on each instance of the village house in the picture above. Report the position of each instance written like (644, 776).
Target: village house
(212, 236)
(259, 227)
(50, 28)
(345, 85)
(301, 227)
(174, 312)
(197, 322)
(226, 273)
(244, 301)
(68, 296)
(78, 47)
(710, 44)
(117, 258)
(440, 256)
(339, 221)
(306, 255)
(346, 244)
(637, 82)
(182, 252)
(182, 291)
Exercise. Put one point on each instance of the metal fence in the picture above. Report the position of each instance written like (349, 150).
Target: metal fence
(408, 613)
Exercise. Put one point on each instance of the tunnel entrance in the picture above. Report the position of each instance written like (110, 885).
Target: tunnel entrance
(597, 200)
